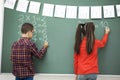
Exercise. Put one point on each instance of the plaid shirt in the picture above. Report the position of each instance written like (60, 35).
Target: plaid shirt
(21, 57)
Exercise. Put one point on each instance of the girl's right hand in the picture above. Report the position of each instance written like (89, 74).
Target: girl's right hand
(76, 77)
(107, 30)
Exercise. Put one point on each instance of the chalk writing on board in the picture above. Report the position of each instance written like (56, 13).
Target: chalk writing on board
(40, 26)
(27, 17)
(97, 24)
(104, 23)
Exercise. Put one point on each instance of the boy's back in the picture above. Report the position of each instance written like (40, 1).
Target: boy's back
(22, 52)
(21, 58)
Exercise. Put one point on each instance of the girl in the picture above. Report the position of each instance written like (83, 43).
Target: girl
(86, 51)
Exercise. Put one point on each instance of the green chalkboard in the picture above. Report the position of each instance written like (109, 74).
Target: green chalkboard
(60, 33)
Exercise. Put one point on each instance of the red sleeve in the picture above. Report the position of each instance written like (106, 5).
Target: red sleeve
(75, 63)
(102, 43)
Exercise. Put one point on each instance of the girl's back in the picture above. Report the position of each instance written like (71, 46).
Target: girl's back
(86, 51)
(88, 63)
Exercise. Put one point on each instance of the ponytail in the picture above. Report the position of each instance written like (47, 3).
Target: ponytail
(90, 37)
(78, 38)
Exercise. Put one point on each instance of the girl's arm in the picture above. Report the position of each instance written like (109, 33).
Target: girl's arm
(102, 43)
(75, 63)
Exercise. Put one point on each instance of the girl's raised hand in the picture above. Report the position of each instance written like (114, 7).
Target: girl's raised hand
(107, 30)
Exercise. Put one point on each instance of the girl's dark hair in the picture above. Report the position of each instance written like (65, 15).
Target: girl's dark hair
(78, 38)
(26, 27)
(88, 31)
(90, 28)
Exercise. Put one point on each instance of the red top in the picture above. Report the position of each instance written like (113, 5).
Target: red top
(84, 63)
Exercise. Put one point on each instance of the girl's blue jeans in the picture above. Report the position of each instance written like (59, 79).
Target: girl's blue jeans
(87, 77)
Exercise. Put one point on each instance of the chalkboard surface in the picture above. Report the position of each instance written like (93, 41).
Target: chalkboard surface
(60, 33)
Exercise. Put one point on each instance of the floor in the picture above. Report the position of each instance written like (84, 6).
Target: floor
(9, 76)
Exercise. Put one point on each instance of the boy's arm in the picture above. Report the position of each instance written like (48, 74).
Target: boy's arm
(37, 53)
(11, 55)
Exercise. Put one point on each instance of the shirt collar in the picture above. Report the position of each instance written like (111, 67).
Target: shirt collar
(24, 38)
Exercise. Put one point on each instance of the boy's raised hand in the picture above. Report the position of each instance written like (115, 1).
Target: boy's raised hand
(45, 44)
(107, 30)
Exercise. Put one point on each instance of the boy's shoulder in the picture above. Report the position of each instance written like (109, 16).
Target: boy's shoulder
(23, 42)
(30, 42)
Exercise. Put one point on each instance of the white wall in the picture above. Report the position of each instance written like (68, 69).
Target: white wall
(1, 28)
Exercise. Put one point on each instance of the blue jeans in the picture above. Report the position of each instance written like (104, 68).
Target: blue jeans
(27, 78)
(87, 77)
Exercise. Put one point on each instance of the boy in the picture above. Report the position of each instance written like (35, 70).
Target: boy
(22, 52)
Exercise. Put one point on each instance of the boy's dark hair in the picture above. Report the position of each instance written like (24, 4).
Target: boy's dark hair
(26, 27)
